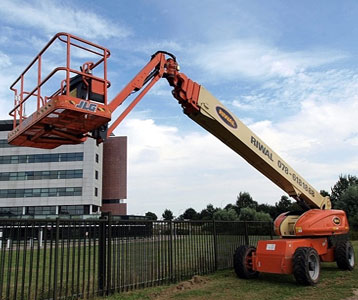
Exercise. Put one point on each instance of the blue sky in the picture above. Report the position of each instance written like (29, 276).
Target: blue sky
(288, 69)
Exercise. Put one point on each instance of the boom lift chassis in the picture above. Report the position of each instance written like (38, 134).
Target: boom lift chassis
(79, 109)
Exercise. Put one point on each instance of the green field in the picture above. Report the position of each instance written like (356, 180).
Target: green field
(334, 284)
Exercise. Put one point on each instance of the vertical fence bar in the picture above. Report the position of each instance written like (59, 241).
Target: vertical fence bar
(95, 253)
(170, 251)
(62, 237)
(78, 277)
(50, 261)
(102, 257)
(215, 246)
(17, 259)
(57, 237)
(68, 255)
(24, 263)
(38, 259)
(44, 260)
(2, 257)
(109, 256)
(247, 242)
(31, 260)
(84, 233)
(9, 246)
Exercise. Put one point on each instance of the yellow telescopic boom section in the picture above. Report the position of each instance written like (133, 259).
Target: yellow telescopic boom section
(219, 121)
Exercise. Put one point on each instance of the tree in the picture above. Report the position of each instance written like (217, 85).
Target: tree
(283, 205)
(168, 215)
(225, 215)
(250, 214)
(269, 209)
(244, 200)
(247, 214)
(151, 215)
(324, 193)
(342, 184)
(208, 213)
(189, 214)
(348, 201)
(230, 206)
(261, 216)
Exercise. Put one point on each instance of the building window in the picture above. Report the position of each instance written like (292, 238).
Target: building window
(4, 144)
(96, 174)
(97, 158)
(111, 201)
(41, 158)
(41, 192)
(40, 175)
(11, 211)
(74, 210)
(41, 210)
(96, 192)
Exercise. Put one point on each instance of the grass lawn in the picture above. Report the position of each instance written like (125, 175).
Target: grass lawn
(334, 284)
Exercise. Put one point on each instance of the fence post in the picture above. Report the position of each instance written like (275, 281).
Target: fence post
(247, 242)
(171, 251)
(109, 256)
(215, 246)
(102, 255)
(56, 258)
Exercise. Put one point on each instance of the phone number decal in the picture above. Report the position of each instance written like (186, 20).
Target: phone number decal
(295, 178)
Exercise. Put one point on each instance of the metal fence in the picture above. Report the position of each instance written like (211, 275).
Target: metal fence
(70, 259)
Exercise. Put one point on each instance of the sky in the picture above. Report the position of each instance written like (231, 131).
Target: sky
(288, 69)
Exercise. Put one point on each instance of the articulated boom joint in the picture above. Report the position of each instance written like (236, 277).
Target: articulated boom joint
(186, 91)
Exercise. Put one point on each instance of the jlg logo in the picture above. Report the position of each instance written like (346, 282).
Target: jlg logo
(87, 106)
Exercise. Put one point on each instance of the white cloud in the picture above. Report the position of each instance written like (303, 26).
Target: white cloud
(52, 17)
(249, 58)
(4, 61)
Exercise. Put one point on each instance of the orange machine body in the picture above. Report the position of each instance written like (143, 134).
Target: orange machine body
(275, 256)
(314, 222)
(311, 229)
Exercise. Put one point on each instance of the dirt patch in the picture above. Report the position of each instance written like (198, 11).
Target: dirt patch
(355, 295)
(195, 283)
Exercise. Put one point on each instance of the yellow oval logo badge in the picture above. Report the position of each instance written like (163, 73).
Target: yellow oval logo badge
(337, 221)
(226, 117)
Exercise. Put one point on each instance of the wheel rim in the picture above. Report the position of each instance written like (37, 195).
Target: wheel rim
(351, 256)
(313, 266)
(248, 261)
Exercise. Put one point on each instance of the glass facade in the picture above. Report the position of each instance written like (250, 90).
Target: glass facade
(41, 210)
(41, 158)
(4, 144)
(41, 192)
(47, 210)
(74, 210)
(10, 211)
(39, 175)
(112, 201)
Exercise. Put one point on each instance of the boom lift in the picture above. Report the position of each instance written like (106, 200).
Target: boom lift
(79, 109)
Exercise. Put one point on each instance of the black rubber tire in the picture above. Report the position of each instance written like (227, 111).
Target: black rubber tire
(241, 257)
(306, 266)
(344, 255)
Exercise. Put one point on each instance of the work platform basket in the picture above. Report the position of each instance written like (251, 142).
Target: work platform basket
(66, 103)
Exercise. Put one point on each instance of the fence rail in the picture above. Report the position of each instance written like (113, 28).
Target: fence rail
(70, 259)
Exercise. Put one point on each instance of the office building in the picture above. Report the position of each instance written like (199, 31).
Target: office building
(63, 181)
